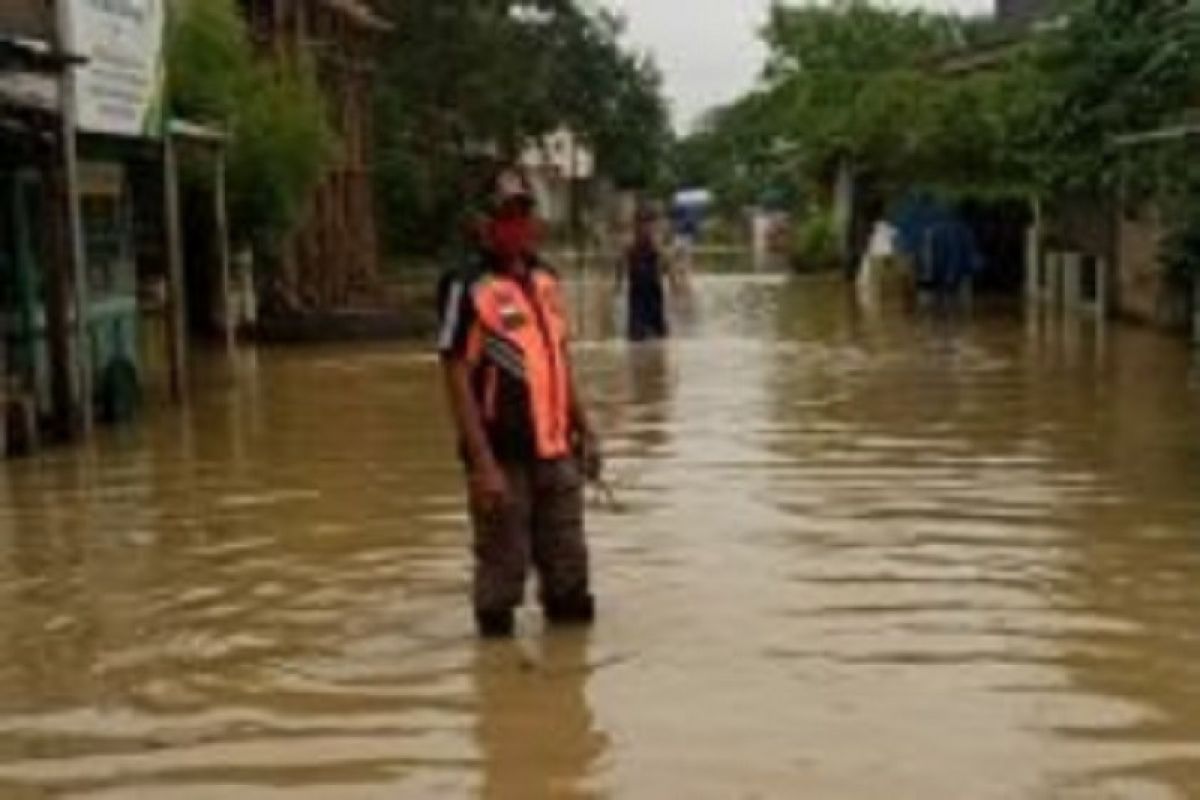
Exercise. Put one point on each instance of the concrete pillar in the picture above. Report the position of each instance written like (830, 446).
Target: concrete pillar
(1196, 309)
(1072, 282)
(1034, 266)
(229, 321)
(1051, 274)
(176, 301)
(77, 328)
(1103, 284)
(843, 207)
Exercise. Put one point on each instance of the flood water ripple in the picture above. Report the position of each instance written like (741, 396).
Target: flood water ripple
(852, 556)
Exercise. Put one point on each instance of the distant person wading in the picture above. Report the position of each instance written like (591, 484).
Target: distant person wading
(644, 270)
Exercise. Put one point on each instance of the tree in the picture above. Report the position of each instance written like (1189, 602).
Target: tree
(280, 138)
(850, 82)
(468, 82)
(1115, 67)
(740, 152)
(840, 76)
(855, 84)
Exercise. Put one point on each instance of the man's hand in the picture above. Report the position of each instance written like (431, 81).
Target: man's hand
(591, 457)
(489, 489)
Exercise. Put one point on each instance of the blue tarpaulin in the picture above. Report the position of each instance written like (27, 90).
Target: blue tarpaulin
(942, 247)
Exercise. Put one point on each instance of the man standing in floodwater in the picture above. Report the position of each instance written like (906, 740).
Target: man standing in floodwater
(645, 268)
(524, 434)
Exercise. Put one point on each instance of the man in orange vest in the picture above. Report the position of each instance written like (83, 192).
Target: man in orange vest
(523, 431)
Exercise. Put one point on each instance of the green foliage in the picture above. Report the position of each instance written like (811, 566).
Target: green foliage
(969, 136)
(466, 82)
(841, 76)
(1116, 67)
(852, 82)
(1121, 67)
(282, 143)
(633, 134)
(275, 115)
(209, 60)
(737, 153)
(816, 244)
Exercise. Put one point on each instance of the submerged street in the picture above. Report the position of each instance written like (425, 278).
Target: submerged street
(851, 555)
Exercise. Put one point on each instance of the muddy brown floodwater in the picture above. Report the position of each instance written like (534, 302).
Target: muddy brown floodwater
(855, 556)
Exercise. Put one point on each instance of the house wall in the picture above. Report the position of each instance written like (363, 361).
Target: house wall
(1139, 277)
(332, 259)
(1128, 238)
(551, 165)
(1145, 292)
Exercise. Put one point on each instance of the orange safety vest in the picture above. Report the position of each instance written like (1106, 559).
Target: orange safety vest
(522, 330)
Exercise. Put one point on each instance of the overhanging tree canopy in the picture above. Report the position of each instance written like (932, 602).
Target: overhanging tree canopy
(465, 77)
(280, 138)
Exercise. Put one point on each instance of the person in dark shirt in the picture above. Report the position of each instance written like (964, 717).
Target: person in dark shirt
(645, 269)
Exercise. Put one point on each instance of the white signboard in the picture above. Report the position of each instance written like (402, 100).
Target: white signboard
(120, 90)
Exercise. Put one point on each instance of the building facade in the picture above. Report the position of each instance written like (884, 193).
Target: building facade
(560, 166)
(332, 259)
(69, 312)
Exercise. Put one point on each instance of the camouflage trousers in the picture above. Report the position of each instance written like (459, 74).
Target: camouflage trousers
(541, 526)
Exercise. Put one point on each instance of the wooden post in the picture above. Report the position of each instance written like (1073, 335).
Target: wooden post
(5, 382)
(577, 235)
(1103, 290)
(83, 331)
(76, 355)
(1052, 269)
(1196, 310)
(1072, 282)
(176, 309)
(226, 278)
(56, 297)
(1034, 265)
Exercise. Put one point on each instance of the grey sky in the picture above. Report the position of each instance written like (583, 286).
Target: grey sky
(709, 49)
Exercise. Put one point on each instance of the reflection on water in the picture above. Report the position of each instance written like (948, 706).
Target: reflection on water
(535, 731)
(858, 553)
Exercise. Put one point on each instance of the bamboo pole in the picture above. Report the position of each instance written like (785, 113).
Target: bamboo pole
(226, 277)
(76, 355)
(176, 310)
(56, 297)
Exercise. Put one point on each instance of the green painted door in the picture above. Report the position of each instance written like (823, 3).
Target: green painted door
(21, 212)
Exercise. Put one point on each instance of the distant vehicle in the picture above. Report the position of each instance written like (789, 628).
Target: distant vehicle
(688, 208)
(700, 199)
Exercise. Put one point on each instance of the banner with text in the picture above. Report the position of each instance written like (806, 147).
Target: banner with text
(120, 90)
